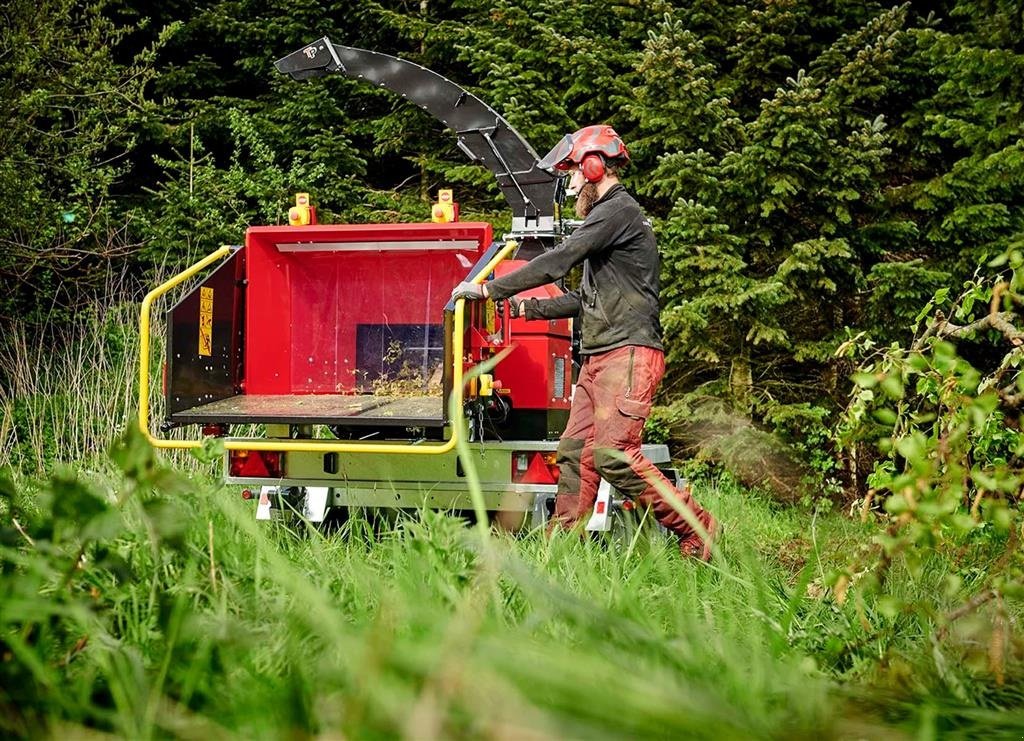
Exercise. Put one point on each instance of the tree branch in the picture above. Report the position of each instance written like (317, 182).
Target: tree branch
(965, 609)
(945, 329)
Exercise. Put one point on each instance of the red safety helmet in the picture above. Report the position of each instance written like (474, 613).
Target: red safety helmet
(587, 149)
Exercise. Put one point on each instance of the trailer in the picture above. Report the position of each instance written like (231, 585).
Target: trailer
(340, 346)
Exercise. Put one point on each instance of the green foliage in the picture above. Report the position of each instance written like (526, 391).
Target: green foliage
(73, 109)
(88, 551)
(806, 205)
(205, 205)
(949, 433)
(762, 262)
(142, 603)
(813, 170)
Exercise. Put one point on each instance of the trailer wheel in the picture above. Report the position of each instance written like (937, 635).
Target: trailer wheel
(334, 520)
(293, 504)
(509, 521)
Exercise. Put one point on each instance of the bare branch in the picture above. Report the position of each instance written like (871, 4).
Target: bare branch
(966, 609)
(1010, 400)
(1005, 365)
(945, 329)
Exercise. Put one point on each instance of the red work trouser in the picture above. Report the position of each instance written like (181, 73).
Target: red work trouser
(602, 440)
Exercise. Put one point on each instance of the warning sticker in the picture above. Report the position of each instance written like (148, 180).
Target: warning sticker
(206, 321)
(490, 316)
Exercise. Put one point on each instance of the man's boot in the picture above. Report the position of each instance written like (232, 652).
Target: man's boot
(691, 544)
(697, 547)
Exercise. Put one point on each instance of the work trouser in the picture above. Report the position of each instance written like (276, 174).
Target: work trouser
(612, 400)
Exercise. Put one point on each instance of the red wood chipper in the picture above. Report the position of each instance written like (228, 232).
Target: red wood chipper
(337, 350)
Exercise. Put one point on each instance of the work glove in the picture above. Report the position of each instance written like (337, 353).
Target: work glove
(516, 307)
(469, 291)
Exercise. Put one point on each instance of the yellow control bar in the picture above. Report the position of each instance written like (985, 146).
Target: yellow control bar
(306, 446)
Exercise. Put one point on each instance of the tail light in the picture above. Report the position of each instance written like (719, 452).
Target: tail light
(534, 467)
(256, 464)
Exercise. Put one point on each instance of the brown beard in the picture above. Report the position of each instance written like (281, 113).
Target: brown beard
(586, 199)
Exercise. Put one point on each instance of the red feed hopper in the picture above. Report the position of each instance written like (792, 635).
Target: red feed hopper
(331, 324)
(338, 309)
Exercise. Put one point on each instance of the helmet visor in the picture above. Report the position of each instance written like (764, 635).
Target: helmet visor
(558, 157)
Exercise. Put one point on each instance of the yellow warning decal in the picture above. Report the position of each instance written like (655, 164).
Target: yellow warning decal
(490, 316)
(206, 321)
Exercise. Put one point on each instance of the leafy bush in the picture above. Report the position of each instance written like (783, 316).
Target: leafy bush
(951, 465)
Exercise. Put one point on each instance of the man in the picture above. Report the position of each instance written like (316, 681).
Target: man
(623, 358)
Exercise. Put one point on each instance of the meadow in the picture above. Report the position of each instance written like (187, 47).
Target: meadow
(139, 597)
(144, 602)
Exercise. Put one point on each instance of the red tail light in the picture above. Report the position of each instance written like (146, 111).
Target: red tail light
(255, 464)
(534, 467)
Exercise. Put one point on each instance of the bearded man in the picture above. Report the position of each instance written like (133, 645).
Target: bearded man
(623, 357)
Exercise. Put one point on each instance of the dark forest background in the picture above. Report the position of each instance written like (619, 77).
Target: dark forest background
(817, 171)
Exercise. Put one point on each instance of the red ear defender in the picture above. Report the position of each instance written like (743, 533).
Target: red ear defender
(593, 168)
(574, 149)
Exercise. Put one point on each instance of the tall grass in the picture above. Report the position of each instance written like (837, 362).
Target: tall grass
(140, 601)
(70, 387)
(243, 630)
(151, 604)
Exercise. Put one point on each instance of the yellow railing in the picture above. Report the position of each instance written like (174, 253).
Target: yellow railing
(306, 446)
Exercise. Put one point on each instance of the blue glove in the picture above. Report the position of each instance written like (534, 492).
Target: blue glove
(469, 291)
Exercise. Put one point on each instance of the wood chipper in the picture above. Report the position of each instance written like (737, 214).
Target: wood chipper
(339, 342)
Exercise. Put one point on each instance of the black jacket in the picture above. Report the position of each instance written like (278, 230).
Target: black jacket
(618, 298)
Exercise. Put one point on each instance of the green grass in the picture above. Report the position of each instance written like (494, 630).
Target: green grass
(140, 598)
(150, 604)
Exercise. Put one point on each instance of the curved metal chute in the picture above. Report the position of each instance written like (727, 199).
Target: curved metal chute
(483, 135)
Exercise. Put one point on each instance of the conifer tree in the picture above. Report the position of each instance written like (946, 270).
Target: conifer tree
(72, 106)
(815, 170)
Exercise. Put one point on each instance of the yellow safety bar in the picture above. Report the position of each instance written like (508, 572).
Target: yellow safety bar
(305, 446)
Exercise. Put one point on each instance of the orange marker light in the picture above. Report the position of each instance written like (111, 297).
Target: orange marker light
(446, 209)
(299, 214)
